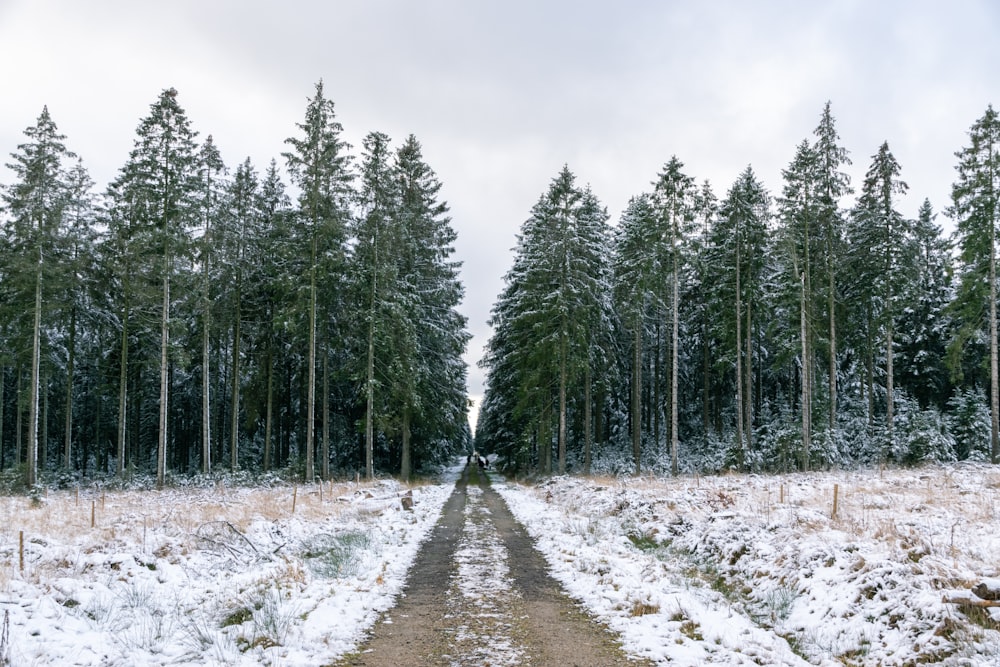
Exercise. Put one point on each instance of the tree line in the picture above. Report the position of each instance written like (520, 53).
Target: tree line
(759, 331)
(192, 317)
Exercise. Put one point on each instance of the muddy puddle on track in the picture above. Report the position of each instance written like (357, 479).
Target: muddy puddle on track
(479, 594)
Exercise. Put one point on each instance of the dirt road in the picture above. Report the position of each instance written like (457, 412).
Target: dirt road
(479, 594)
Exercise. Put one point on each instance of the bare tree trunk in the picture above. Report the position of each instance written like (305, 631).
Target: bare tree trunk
(325, 447)
(674, 468)
(31, 470)
(161, 444)
(739, 362)
(587, 418)
(994, 382)
(123, 394)
(3, 461)
(370, 393)
(405, 465)
(234, 408)
(831, 305)
(562, 407)
(748, 394)
(269, 411)
(806, 376)
(637, 396)
(68, 423)
(206, 384)
(311, 382)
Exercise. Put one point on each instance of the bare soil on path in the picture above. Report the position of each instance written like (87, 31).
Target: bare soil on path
(479, 594)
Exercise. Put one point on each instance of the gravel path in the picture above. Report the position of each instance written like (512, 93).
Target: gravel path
(479, 594)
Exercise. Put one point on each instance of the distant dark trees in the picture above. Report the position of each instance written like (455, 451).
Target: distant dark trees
(758, 332)
(192, 317)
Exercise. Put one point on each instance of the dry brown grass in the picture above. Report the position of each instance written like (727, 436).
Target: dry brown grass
(141, 520)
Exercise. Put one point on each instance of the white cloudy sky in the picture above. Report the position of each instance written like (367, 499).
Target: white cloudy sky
(502, 93)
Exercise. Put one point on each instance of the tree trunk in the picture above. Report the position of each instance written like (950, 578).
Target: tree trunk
(3, 459)
(637, 396)
(122, 394)
(206, 384)
(806, 376)
(994, 381)
(68, 423)
(370, 393)
(405, 465)
(748, 395)
(325, 447)
(311, 382)
(269, 411)
(587, 417)
(831, 305)
(31, 469)
(234, 408)
(161, 440)
(674, 468)
(890, 404)
(739, 362)
(562, 407)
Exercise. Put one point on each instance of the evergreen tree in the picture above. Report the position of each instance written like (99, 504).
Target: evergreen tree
(832, 185)
(740, 245)
(320, 166)
(211, 171)
(377, 285)
(154, 196)
(798, 207)
(976, 209)
(36, 205)
(674, 194)
(635, 268)
(924, 324)
(881, 243)
(433, 398)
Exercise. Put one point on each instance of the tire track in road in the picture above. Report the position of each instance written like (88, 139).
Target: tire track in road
(479, 594)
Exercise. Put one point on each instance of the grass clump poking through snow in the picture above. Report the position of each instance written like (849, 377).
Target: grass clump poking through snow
(337, 555)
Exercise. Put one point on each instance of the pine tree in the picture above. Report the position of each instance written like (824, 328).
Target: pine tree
(882, 238)
(320, 166)
(80, 265)
(376, 283)
(635, 274)
(976, 209)
(741, 240)
(925, 324)
(674, 194)
(211, 171)
(798, 207)
(36, 205)
(154, 209)
(832, 185)
(434, 398)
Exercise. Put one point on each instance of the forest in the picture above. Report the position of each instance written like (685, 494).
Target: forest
(194, 318)
(810, 327)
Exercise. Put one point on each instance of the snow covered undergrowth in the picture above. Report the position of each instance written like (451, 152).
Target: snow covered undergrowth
(224, 576)
(746, 570)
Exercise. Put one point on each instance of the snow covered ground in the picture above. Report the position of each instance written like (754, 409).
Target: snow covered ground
(217, 576)
(732, 570)
(755, 570)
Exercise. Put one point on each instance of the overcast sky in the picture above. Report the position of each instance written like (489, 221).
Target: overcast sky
(502, 94)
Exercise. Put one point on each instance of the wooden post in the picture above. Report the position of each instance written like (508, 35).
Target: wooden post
(21, 551)
(321, 492)
(781, 494)
(93, 513)
(836, 494)
(77, 494)
(295, 496)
